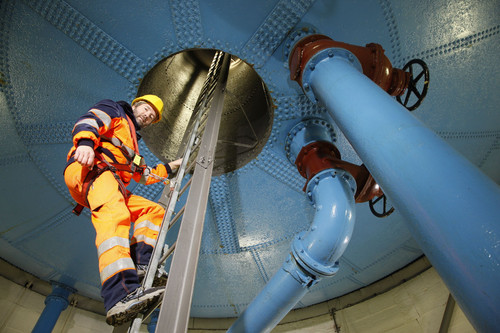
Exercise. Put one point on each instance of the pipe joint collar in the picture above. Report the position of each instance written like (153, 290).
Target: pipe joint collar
(293, 267)
(308, 263)
(305, 132)
(60, 294)
(56, 299)
(329, 54)
(333, 173)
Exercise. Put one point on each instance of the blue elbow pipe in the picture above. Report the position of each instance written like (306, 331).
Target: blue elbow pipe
(55, 303)
(319, 249)
(315, 253)
(451, 207)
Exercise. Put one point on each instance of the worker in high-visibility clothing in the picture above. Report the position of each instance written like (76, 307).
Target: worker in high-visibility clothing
(103, 160)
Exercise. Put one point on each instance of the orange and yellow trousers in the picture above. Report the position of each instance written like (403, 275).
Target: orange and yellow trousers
(112, 215)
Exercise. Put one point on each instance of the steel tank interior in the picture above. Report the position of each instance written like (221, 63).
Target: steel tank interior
(58, 57)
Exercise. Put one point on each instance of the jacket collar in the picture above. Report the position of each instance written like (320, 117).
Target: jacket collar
(128, 111)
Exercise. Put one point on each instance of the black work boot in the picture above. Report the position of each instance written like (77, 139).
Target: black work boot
(128, 307)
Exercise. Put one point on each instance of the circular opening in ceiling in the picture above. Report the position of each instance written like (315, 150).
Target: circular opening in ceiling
(247, 113)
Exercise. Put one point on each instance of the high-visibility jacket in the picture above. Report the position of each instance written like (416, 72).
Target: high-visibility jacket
(110, 128)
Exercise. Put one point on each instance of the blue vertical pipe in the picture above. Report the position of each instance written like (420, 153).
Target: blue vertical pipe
(451, 207)
(55, 303)
(315, 253)
(154, 321)
(278, 297)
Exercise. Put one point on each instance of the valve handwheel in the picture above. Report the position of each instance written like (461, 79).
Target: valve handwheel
(385, 212)
(416, 87)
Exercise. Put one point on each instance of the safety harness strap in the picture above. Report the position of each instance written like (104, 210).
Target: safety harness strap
(92, 175)
(136, 164)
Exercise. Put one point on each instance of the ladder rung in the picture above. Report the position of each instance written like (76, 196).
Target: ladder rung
(167, 254)
(201, 127)
(190, 167)
(181, 192)
(193, 156)
(196, 145)
(176, 218)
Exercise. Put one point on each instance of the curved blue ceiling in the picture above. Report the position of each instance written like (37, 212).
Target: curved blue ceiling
(57, 58)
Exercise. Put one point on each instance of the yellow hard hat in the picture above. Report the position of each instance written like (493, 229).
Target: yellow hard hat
(155, 102)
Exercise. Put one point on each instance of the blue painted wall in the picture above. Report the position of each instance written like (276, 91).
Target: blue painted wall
(57, 58)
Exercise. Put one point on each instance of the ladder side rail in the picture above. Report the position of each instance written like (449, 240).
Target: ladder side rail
(174, 313)
(185, 167)
(155, 256)
(170, 193)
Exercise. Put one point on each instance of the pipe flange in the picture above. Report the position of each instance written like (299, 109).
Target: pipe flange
(304, 277)
(320, 130)
(310, 264)
(293, 38)
(330, 173)
(331, 52)
(289, 139)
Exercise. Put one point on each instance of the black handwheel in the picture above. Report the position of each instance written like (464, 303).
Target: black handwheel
(417, 89)
(384, 212)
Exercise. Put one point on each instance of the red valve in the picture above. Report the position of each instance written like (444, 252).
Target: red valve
(322, 155)
(373, 61)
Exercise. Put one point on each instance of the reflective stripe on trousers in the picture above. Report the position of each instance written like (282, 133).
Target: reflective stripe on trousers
(112, 215)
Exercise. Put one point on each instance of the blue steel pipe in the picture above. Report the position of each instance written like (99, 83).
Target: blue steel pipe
(451, 207)
(315, 253)
(278, 297)
(319, 249)
(153, 321)
(55, 303)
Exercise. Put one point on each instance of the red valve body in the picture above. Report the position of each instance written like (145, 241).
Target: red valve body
(373, 61)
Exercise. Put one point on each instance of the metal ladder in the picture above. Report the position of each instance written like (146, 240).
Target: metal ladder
(199, 145)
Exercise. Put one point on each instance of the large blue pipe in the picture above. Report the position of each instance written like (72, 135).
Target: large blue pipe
(55, 303)
(315, 253)
(451, 207)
